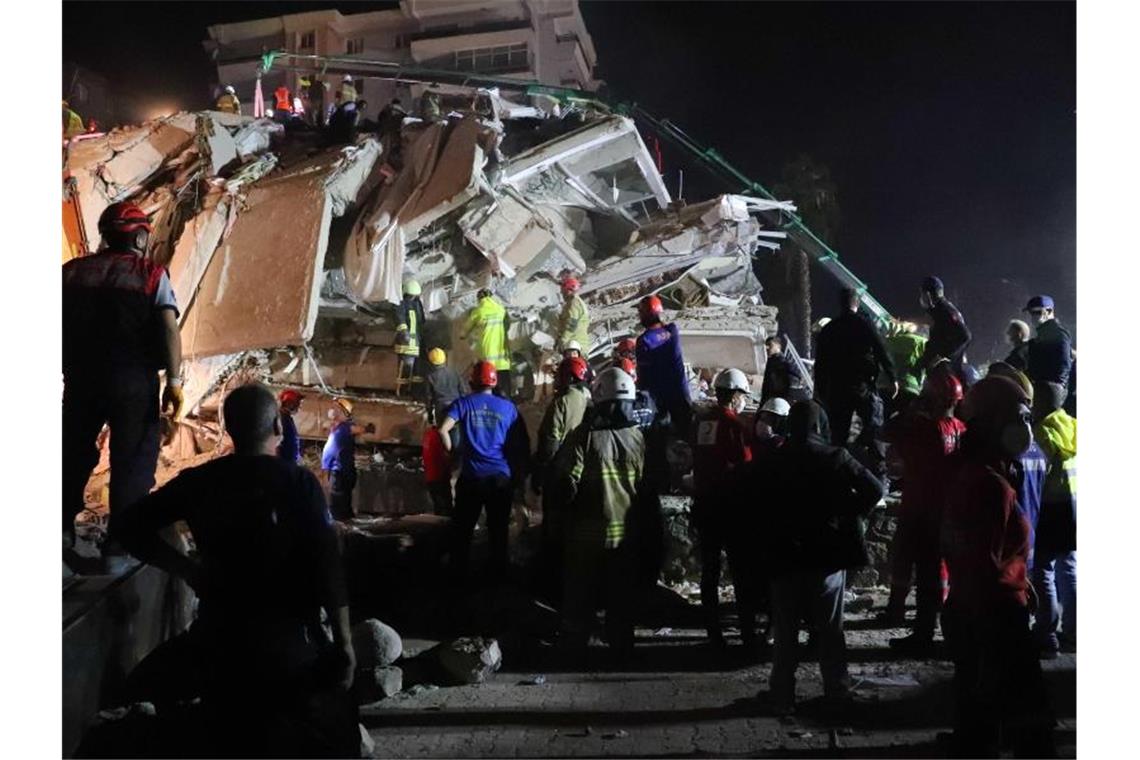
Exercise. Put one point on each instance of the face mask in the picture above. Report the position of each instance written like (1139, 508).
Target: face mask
(924, 300)
(331, 414)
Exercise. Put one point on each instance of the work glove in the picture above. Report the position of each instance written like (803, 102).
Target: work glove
(172, 399)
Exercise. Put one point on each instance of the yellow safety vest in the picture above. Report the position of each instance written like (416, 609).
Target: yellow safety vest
(412, 347)
(487, 323)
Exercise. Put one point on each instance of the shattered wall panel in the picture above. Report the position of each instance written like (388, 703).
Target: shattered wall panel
(262, 286)
(196, 248)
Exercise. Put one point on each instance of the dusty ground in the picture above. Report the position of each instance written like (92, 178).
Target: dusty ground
(680, 698)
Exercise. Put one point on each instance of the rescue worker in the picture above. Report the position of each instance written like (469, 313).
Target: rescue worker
(601, 473)
(487, 423)
(317, 101)
(905, 347)
(770, 429)
(949, 335)
(1055, 555)
(391, 120)
(1050, 356)
(429, 106)
(661, 365)
(120, 326)
(574, 321)
(849, 359)
(283, 102)
(290, 448)
(815, 496)
(338, 459)
(565, 413)
(487, 324)
(409, 327)
(926, 437)
(228, 101)
(782, 378)
(266, 564)
(720, 448)
(347, 93)
(443, 385)
(1000, 693)
(1017, 333)
(626, 348)
(72, 122)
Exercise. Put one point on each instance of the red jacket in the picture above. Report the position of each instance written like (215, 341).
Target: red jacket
(925, 444)
(436, 466)
(985, 540)
(720, 446)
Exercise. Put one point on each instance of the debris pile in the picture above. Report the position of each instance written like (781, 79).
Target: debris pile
(287, 256)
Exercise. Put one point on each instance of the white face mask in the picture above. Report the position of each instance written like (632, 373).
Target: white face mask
(331, 414)
(1016, 437)
(924, 300)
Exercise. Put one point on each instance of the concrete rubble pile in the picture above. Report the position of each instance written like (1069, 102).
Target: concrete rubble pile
(287, 258)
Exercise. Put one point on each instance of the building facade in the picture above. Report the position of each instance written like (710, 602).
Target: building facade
(543, 40)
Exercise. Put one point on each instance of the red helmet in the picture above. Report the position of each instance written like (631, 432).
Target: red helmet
(289, 397)
(649, 309)
(570, 285)
(123, 217)
(628, 366)
(943, 387)
(626, 347)
(574, 368)
(484, 375)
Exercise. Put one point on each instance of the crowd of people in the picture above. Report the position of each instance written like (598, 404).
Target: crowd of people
(986, 466)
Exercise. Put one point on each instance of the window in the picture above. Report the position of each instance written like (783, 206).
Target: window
(501, 58)
(354, 47)
(308, 41)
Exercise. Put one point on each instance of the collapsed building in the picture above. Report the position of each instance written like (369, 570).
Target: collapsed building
(287, 256)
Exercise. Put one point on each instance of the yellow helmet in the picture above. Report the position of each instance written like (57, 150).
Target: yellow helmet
(437, 357)
(345, 405)
(412, 288)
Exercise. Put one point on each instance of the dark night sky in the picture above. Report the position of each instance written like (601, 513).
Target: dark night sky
(949, 128)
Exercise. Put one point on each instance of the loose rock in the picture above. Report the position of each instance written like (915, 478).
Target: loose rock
(376, 644)
(373, 684)
(469, 659)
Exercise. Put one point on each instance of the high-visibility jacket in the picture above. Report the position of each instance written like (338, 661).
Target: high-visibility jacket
(487, 324)
(905, 350)
(410, 316)
(229, 103)
(574, 324)
(605, 468)
(284, 102)
(347, 93)
(72, 123)
(1056, 434)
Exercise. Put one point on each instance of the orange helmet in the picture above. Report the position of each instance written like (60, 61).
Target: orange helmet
(649, 309)
(628, 366)
(484, 375)
(626, 347)
(123, 217)
(572, 369)
(570, 285)
(289, 397)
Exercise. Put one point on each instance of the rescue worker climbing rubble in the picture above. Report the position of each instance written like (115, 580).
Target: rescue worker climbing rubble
(949, 335)
(409, 327)
(574, 321)
(120, 327)
(487, 325)
(661, 364)
(601, 473)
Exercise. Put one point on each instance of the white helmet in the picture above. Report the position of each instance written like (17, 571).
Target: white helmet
(614, 385)
(820, 324)
(731, 379)
(347, 78)
(776, 406)
(230, 89)
(573, 345)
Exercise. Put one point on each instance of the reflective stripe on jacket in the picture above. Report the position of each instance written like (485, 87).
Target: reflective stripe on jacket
(486, 323)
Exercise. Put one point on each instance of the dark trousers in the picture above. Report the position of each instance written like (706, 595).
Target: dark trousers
(716, 533)
(593, 575)
(127, 401)
(818, 596)
(915, 545)
(864, 401)
(1000, 693)
(341, 484)
(441, 498)
(472, 496)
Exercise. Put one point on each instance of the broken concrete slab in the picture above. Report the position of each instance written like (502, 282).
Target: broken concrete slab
(470, 659)
(196, 247)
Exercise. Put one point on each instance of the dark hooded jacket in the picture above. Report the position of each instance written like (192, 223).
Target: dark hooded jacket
(816, 498)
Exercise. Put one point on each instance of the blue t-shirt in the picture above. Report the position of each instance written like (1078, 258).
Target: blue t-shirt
(661, 365)
(1031, 467)
(485, 420)
(340, 449)
(290, 447)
